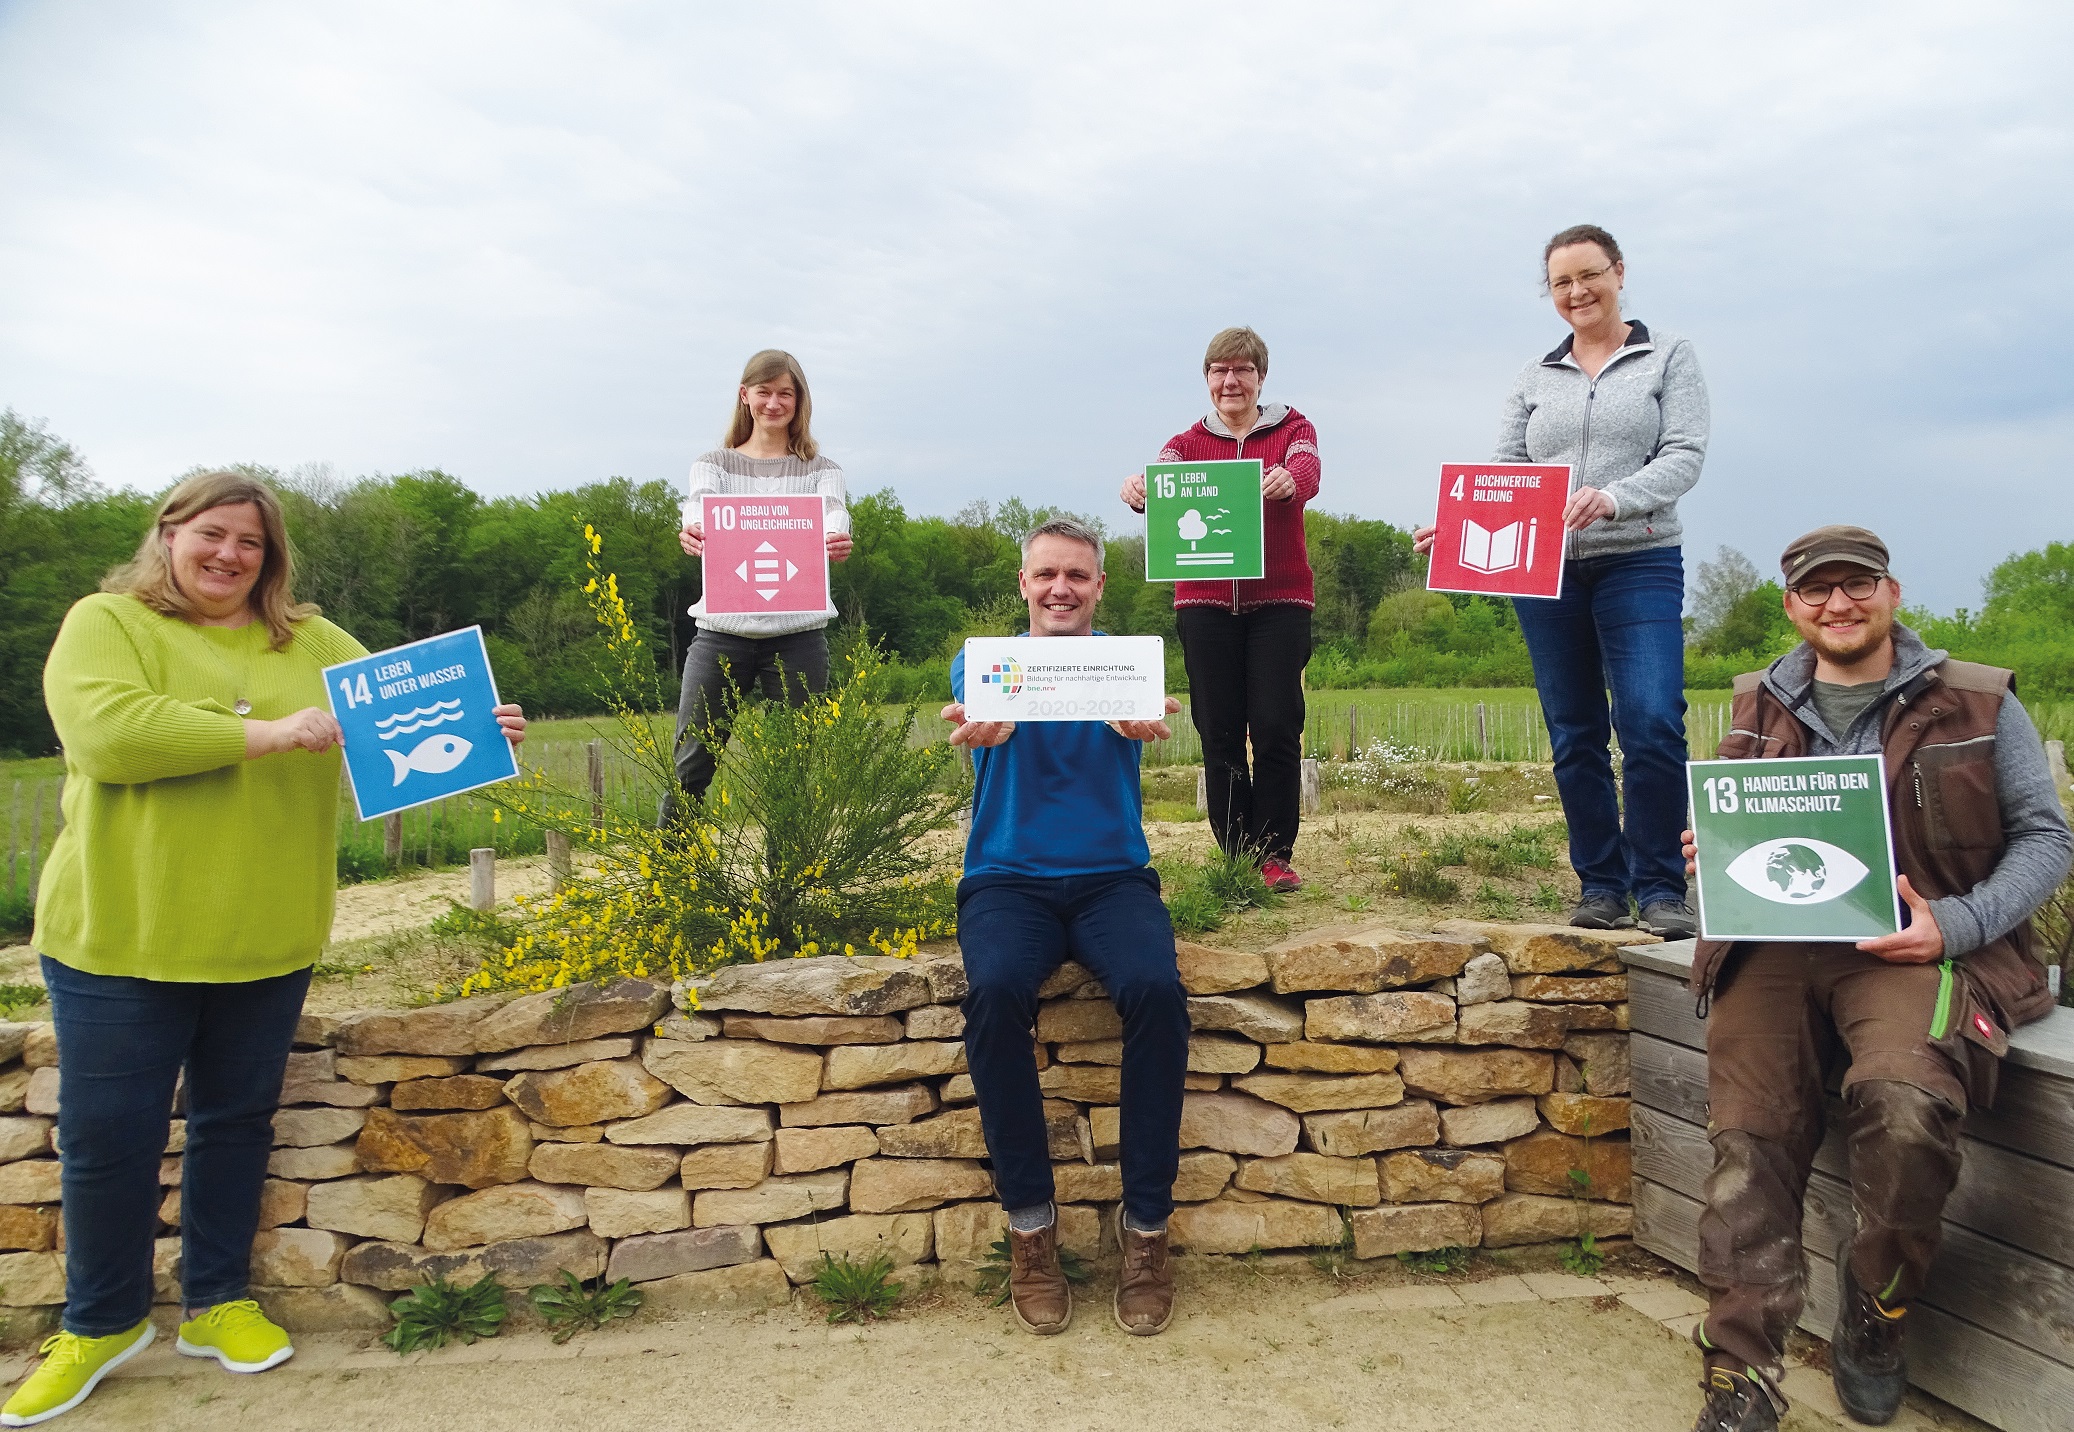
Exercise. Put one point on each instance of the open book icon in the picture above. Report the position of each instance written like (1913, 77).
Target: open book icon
(1499, 551)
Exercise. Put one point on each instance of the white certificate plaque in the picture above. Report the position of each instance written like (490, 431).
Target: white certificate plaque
(1065, 678)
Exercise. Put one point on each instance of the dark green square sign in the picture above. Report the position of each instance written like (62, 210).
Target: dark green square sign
(1794, 849)
(1203, 521)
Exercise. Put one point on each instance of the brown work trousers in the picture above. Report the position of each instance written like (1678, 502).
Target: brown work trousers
(1784, 1018)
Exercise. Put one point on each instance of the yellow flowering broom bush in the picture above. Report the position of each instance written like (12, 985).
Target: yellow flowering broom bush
(808, 842)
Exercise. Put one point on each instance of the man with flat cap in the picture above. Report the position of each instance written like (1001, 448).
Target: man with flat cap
(1916, 1021)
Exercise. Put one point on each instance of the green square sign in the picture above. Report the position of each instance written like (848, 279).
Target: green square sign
(1203, 520)
(1794, 849)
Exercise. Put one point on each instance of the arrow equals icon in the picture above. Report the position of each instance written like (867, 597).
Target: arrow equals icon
(767, 570)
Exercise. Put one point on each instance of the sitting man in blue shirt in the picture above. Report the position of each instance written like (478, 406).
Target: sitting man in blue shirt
(1056, 867)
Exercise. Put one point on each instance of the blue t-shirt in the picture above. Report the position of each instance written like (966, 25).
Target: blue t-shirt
(1056, 798)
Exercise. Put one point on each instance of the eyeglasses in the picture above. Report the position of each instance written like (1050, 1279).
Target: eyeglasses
(1232, 370)
(1858, 588)
(1564, 285)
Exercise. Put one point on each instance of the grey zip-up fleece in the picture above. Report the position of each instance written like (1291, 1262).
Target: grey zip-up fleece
(1638, 431)
(2038, 848)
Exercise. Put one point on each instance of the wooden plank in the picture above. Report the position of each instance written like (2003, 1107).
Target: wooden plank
(2004, 1383)
(1663, 1007)
(1670, 1077)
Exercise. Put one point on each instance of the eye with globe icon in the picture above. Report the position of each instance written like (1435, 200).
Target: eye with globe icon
(1797, 870)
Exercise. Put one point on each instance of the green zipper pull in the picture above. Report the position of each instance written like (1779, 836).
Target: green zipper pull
(1941, 1017)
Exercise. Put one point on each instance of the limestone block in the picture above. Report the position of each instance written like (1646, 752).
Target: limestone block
(1585, 1113)
(1260, 1017)
(1491, 1123)
(958, 1089)
(1307, 1058)
(1204, 1174)
(1365, 958)
(735, 1071)
(1222, 1054)
(1099, 1051)
(1105, 1131)
(1064, 980)
(695, 1124)
(314, 1030)
(456, 1091)
(1595, 1016)
(955, 1135)
(474, 1150)
(1588, 989)
(1516, 1023)
(14, 1089)
(308, 1128)
(687, 1028)
(1549, 949)
(40, 1046)
(1442, 1176)
(553, 1134)
(1237, 1124)
(1225, 1225)
(31, 1181)
(936, 1021)
(824, 984)
(24, 1137)
(647, 1256)
(435, 1029)
(1313, 1178)
(518, 1264)
(1350, 1133)
(746, 1286)
(603, 1165)
(1078, 1020)
(1471, 1076)
(557, 1056)
(622, 1213)
(503, 1213)
(1083, 1083)
(1401, 1016)
(727, 1166)
(332, 1161)
(573, 1014)
(28, 1230)
(336, 1308)
(31, 1280)
(41, 1096)
(883, 1185)
(398, 1068)
(311, 1077)
(1603, 1061)
(168, 1209)
(1206, 970)
(282, 1201)
(1414, 1228)
(1516, 1218)
(775, 1200)
(863, 1066)
(1088, 1183)
(1482, 979)
(389, 1206)
(1309, 1093)
(817, 1029)
(965, 1234)
(1202, 1083)
(875, 1106)
(165, 1270)
(945, 971)
(1543, 1163)
(906, 1237)
(297, 1257)
(13, 1039)
(588, 1093)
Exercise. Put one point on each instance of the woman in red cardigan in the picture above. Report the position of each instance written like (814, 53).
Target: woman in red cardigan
(1245, 642)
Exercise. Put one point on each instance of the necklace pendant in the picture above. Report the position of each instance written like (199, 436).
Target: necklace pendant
(242, 706)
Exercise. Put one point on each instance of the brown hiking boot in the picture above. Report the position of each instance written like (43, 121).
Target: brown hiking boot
(1037, 1287)
(1145, 1287)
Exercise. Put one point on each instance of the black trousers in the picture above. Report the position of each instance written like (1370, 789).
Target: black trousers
(720, 671)
(1245, 678)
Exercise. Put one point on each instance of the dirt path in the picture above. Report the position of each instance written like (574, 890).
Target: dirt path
(1279, 1349)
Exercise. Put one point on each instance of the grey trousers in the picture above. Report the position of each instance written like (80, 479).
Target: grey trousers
(720, 670)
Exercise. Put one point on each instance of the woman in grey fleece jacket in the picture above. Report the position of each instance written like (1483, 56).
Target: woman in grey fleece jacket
(1626, 410)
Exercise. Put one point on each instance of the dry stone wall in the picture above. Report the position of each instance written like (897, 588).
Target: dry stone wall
(1463, 1087)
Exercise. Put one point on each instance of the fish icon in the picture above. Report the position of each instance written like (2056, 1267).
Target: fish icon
(431, 755)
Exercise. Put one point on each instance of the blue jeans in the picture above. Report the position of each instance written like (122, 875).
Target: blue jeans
(1015, 931)
(122, 1044)
(1616, 627)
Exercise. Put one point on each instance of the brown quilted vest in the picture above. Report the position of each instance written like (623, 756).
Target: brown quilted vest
(1939, 743)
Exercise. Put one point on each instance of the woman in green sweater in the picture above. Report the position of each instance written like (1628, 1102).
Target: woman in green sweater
(186, 899)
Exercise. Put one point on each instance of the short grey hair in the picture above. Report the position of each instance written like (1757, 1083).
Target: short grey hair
(1064, 527)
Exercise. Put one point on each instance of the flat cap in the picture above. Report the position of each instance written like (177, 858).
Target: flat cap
(1832, 544)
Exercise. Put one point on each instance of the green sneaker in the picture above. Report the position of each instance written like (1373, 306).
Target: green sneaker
(73, 1366)
(237, 1335)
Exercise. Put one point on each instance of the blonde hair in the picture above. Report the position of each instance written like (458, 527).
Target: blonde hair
(771, 364)
(148, 576)
(1237, 343)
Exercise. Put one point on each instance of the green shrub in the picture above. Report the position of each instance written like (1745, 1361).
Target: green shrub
(856, 1292)
(439, 1312)
(573, 1306)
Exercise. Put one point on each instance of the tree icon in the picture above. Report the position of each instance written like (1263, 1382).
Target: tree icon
(1193, 528)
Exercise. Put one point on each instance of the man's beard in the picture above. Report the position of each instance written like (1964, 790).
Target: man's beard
(1870, 638)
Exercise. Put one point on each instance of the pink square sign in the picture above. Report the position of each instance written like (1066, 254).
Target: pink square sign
(765, 554)
(1501, 529)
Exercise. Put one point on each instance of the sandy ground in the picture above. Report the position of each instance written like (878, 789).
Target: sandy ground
(1275, 1348)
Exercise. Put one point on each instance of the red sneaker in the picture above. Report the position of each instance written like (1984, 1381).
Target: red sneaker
(1279, 876)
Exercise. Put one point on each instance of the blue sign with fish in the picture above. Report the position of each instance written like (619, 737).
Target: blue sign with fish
(417, 722)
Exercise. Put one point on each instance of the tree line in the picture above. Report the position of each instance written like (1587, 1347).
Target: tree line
(395, 558)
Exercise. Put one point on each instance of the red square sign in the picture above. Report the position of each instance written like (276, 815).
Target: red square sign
(1501, 530)
(765, 554)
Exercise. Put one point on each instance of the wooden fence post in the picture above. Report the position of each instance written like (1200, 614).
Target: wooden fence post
(558, 869)
(1353, 732)
(35, 839)
(1483, 733)
(1310, 800)
(482, 878)
(392, 840)
(594, 754)
(1202, 790)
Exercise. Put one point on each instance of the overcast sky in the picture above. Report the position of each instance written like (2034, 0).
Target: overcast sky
(532, 243)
